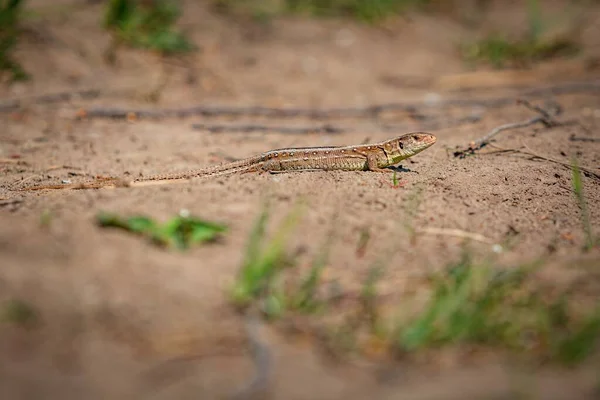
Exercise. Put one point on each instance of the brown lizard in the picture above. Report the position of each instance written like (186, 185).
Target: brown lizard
(366, 157)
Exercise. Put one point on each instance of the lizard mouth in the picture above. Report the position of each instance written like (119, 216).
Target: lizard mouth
(426, 139)
(411, 144)
(423, 141)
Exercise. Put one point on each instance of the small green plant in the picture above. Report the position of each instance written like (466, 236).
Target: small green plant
(10, 11)
(261, 281)
(590, 241)
(264, 260)
(180, 232)
(147, 25)
(499, 51)
(45, 218)
(19, 312)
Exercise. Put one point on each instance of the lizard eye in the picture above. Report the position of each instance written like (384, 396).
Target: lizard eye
(401, 145)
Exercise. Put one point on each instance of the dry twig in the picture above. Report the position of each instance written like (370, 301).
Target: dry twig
(13, 161)
(371, 111)
(574, 138)
(264, 128)
(13, 104)
(457, 233)
(534, 155)
(431, 123)
(546, 118)
(258, 111)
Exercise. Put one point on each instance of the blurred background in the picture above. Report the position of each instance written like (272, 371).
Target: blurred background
(291, 52)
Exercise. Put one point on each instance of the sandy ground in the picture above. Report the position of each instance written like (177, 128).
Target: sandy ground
(113, 307)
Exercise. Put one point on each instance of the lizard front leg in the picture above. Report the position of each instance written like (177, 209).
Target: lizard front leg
(372, 164)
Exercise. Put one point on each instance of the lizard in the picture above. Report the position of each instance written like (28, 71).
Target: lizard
(374, 157)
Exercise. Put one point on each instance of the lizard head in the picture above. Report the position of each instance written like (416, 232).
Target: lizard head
(408, 145)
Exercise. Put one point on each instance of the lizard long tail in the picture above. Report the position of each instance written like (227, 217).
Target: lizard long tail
(245, 165)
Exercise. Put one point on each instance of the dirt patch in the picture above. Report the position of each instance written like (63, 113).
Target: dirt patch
(112, 307)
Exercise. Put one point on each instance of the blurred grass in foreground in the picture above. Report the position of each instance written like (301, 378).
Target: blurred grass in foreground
(470, 305)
